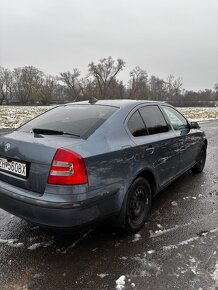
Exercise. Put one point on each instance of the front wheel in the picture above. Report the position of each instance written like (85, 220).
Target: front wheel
(137, 206)
(199, 166)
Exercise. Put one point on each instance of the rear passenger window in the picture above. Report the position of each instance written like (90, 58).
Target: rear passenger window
(153, 119)
(136, 125)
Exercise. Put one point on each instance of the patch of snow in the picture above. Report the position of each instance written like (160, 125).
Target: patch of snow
(159, 226)
(185, 242)
(214, 230)
(193, 197)
(102, 275)
(193, 266)
(34, 246)
(161, 232)
(2, 241)
(120, 282)
(133, 285)
(151, 251)
(137, 237)
(123, 258)
(11, 242)
(174, 203)
(16, 245)
(169, 247)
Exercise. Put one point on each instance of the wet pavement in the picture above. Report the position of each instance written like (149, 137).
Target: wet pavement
(177, 248)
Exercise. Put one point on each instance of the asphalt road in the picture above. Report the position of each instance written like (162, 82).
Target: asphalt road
(177, 248)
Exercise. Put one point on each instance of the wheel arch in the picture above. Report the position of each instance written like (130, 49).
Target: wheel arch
(149, 175)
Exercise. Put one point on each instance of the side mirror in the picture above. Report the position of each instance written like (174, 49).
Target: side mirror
(195, 125)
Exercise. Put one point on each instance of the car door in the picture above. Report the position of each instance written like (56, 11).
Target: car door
(153, 138)
(187, 140)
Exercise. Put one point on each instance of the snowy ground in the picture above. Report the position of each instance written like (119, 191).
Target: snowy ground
(14, 116)
(200, 113)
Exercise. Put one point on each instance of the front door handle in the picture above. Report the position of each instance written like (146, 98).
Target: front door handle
(150, 149)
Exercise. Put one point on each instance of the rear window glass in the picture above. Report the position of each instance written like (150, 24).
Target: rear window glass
(153, 119)
(81, 120)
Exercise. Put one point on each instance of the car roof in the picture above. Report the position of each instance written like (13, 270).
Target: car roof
(121, 103)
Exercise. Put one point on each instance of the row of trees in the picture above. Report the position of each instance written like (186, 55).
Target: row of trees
(30, 86)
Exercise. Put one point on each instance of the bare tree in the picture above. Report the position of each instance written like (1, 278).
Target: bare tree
(157, 89)
(28, 85)
(174, 87)
(27, 82)
(89, 88)
(104, 73)
(46, 91)
(6, 85)
(116, 90)
(72, 83)
(138, 84)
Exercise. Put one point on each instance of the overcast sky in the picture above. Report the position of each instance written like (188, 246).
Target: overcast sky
(178, 37)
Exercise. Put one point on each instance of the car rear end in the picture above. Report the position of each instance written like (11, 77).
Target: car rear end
(41, 178)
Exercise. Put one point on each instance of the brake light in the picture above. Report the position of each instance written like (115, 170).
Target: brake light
(67, 168)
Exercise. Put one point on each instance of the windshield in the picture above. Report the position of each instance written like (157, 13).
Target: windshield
(81, 120)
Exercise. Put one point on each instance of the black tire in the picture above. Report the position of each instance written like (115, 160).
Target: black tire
(199, 166)
(136, 206)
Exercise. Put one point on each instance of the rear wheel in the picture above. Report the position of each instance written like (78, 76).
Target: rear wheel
(137, 206)
(201, 161)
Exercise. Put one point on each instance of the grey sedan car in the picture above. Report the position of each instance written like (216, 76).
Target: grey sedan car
(90, 161)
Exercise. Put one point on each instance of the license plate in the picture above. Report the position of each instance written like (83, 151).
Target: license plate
(13, 166)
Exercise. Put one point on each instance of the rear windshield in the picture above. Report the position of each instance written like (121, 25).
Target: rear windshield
(81, 120)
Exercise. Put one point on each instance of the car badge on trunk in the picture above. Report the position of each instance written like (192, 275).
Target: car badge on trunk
(7, 147)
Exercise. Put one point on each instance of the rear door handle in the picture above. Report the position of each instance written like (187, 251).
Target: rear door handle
(150, 149)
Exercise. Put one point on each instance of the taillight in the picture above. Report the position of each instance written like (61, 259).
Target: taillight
(67, 168)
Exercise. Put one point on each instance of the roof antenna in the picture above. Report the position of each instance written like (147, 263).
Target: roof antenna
(92, 100)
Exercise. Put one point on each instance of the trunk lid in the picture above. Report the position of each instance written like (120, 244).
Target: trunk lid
(34, 150)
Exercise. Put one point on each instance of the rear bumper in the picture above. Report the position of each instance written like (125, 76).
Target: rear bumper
(58, 211)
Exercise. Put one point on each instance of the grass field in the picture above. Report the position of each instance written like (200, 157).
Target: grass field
(14, 116)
